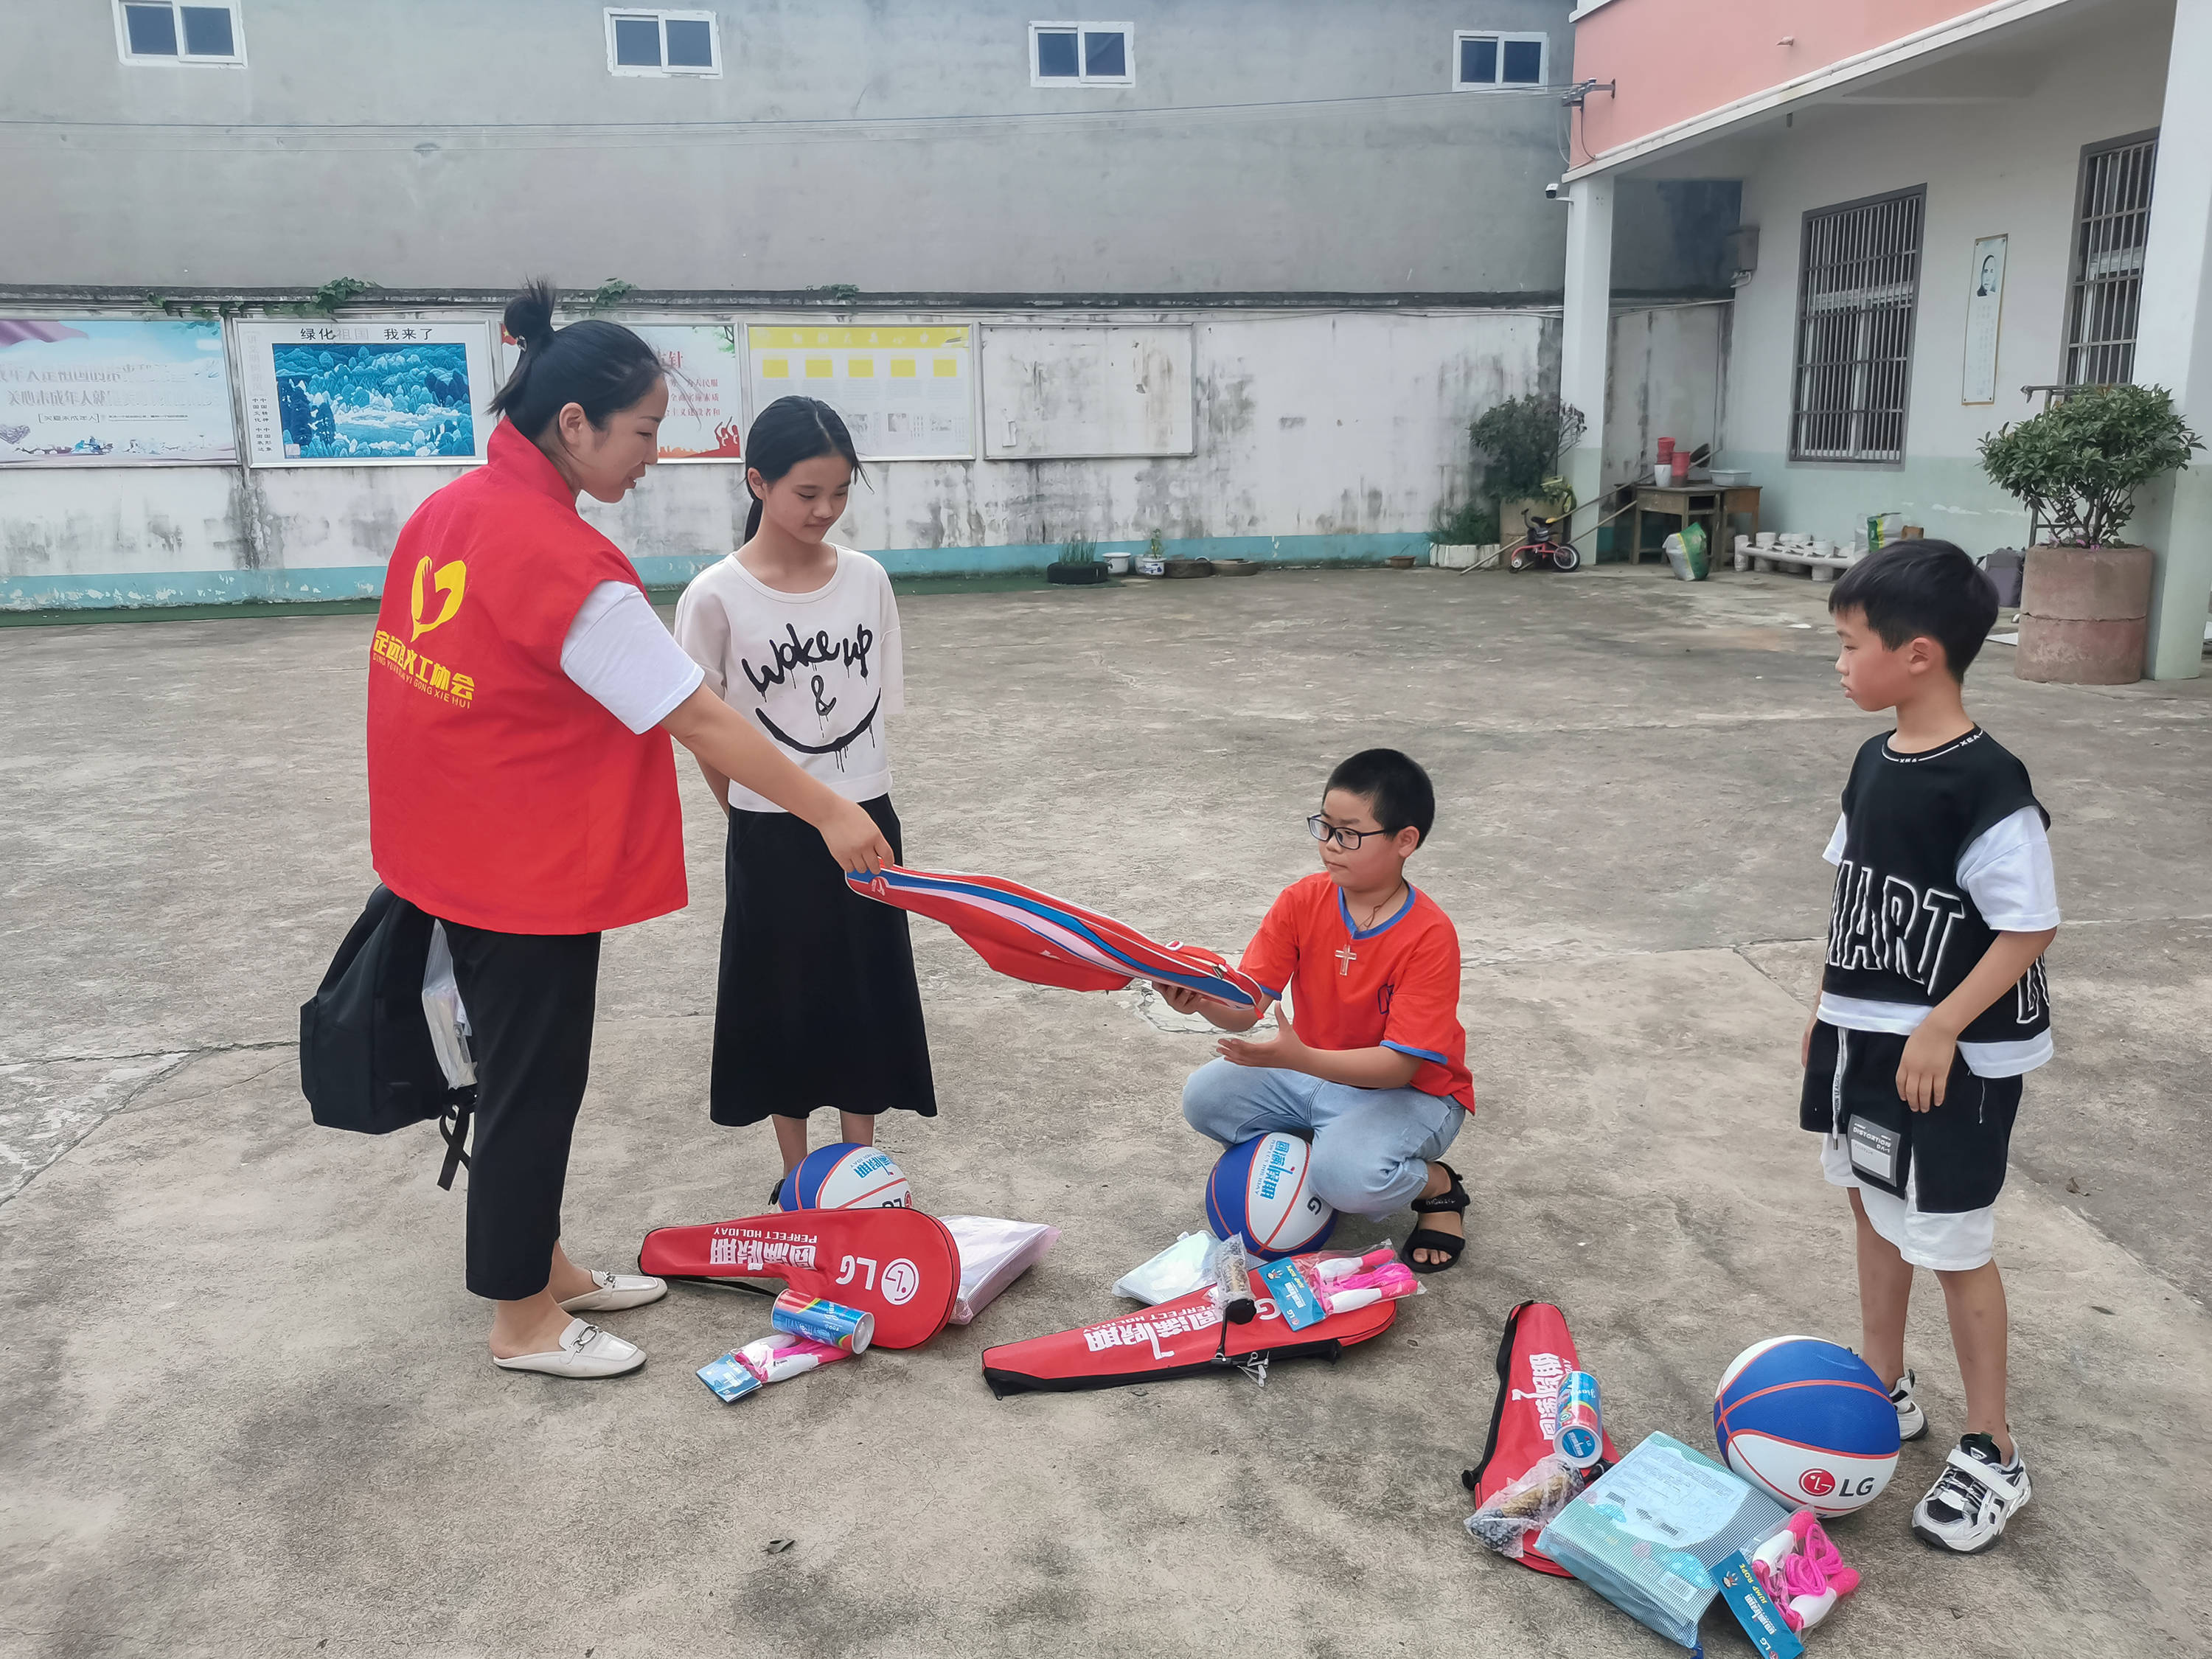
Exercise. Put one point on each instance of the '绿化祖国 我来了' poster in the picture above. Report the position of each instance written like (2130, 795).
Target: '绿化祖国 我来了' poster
(360, 394)
(88, 392)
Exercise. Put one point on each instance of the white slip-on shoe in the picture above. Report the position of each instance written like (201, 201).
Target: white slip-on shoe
(613, 1293)
(585, 1351)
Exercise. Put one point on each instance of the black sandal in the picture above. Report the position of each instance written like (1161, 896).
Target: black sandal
(1453, 1198)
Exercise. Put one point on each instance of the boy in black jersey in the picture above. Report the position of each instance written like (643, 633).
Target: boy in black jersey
(1933, 1002)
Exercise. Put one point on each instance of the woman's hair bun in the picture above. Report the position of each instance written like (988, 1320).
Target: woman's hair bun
(530, 314)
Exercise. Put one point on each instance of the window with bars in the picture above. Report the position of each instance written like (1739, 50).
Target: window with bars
(2112, 220)
(1858, 285)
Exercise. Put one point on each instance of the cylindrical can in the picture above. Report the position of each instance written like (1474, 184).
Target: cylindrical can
(1579, 1438)
(1232, 1282)
(825, 1322)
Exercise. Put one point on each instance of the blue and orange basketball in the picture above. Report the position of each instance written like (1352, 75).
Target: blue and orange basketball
(1807, 1422)
(846, 1176)
(1262, 1189)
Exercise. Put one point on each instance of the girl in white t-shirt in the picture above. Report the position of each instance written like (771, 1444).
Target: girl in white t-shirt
(817, 1004)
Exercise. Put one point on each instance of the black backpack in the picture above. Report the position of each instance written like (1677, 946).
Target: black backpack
(365, 1061)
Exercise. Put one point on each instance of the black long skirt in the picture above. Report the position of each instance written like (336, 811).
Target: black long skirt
(817, 1004)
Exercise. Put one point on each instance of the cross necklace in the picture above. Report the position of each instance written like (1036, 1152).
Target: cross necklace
(1347, 956)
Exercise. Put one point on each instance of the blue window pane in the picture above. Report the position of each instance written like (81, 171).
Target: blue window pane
(1105, 55)
(690, 43)
(1056, 53)
(1478, 63)
(637, 41)
(1524, 62)
(207, 32)
(151, 30)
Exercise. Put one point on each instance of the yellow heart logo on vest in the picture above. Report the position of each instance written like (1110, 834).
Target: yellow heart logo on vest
(449, 580)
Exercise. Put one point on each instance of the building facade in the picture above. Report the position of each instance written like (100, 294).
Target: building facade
(1951, 212)
(1334, 221)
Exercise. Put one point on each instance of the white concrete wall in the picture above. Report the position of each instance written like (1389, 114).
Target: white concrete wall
(2005, 168)
(1666, 377)
(1320, 435)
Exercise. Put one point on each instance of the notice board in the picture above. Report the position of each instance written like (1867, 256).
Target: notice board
(1081, 391)
(906, 391)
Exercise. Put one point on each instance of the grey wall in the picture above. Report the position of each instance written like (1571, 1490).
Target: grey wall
(891, 144)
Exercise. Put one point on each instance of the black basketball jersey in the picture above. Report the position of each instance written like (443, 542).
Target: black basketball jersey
(1902, 927)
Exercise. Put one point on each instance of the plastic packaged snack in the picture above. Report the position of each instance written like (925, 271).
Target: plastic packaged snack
(994, 1254)
(1647, 1533)
(1521, 1508)
(1185, 1265)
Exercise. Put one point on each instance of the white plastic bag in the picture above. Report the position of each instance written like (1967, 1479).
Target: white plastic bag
(994, 1254)
(1185, 1265)
(442, 1008)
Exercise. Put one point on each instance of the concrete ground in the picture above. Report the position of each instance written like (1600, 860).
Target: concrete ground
(247, 1407)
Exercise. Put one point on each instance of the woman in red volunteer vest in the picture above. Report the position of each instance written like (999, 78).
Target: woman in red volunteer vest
(522, 790)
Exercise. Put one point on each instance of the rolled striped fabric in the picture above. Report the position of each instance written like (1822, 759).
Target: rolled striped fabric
(1028, 935)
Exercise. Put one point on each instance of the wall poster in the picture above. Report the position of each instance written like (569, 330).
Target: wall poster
(357, 393)
(1978, 382)
(906, 390)
(705, 390)
(98, 391)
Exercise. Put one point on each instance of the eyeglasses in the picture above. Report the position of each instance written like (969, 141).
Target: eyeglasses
(1322, 830)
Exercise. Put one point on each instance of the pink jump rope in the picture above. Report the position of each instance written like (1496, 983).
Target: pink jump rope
(1349, 1282)
(1802, 1572)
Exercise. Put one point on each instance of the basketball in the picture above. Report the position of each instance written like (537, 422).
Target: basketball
(844, 1177)
(1258, 1189)
(1809, 1422)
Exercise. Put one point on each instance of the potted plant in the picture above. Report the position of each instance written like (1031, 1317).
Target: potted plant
(2085, 595)
(1519, 442)
(1077, 565)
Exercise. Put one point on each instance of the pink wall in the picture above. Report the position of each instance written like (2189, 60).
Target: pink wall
(1675, 59)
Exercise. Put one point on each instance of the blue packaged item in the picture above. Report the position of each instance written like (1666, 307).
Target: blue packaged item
(1295, 1301)
(1755, 1610)
(1579, 1438)
(1648, 1534)
(729, 1377)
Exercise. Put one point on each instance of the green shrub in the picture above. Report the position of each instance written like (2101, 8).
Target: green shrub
(1079, 551)
(1473, 525)
(2077, 465)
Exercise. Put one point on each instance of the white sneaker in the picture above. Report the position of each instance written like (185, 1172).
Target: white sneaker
(1966, 1508)
(585, 1351)
(616, 1291)
(1911, 1421)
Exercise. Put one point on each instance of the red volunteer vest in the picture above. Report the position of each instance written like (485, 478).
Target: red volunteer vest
(501, 794)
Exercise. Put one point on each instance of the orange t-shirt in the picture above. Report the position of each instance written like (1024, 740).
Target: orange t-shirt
(1394, 985)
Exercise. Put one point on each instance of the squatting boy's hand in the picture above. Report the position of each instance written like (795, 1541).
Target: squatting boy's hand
(1180, 998)
(1925, 1071)
(1283, 1051)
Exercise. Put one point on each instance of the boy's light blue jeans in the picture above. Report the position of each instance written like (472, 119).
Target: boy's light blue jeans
(1371, 1147)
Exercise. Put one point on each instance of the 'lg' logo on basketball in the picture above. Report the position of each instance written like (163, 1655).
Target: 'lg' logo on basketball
(1818, 1483)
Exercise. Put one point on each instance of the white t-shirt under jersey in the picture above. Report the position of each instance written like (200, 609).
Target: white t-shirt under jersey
(817, 673)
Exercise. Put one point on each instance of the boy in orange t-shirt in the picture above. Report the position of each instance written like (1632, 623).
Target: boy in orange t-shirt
(1372, 1062)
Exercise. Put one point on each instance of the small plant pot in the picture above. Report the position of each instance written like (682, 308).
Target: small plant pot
(1188, 568)
(1075, 575)
(1235, 567)
(1117, 564)
(1400, 562)
(1149, 566)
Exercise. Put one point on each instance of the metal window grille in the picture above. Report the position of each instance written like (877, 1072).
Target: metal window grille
(2112, 222)
(1858, 287)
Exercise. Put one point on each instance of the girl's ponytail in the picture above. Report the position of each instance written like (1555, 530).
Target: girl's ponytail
(788, 431)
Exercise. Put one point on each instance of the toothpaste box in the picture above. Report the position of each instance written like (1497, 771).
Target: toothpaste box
(1295, 1301)
(729, 1377)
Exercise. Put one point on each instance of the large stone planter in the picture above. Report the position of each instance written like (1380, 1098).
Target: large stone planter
(2084, 615)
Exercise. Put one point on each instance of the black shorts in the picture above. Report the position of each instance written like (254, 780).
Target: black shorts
(1956, 1150)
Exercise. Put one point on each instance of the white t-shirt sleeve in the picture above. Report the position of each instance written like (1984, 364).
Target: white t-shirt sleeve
(1835, 853)
(702, 629)
(616, 650)
(894, 656)
(2007, 872)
